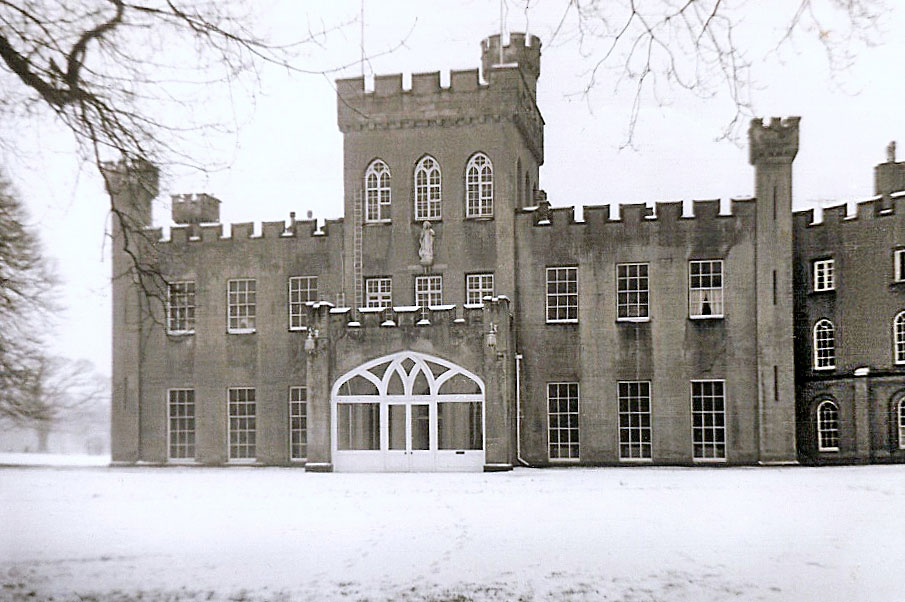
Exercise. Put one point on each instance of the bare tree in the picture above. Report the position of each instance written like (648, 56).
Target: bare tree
(55, 390)
(144, 80)
(25, 287)
(707, 47)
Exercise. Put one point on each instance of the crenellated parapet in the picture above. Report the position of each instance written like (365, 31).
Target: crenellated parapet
(872, 211)
(522, 50)
(508, 96)
(196, 208)
(245, 231)
(362, 324)
(775, 142)
(703, 212)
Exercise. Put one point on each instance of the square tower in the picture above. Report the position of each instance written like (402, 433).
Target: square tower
(461, 157)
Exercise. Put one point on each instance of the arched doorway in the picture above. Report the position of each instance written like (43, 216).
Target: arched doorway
(407, 412)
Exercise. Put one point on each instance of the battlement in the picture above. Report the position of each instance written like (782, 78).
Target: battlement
(775, 142)
(636, 214)
(508, 96)
(359, 321)
(838, 216)
(196, 208)
(200, 233)
(406, 317)
(522, 50)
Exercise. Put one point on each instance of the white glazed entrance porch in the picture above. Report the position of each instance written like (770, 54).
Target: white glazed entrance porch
(407, 412)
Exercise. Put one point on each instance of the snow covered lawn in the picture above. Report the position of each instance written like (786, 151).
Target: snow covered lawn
(90, 533)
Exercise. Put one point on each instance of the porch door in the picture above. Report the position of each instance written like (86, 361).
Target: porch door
(409, 433)
(408, 411)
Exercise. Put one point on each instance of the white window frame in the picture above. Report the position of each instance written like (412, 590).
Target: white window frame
(714, 295)
(298, 423)
(719, 433)
(302, 290)
(631, 289)
(479, 187)
(824, 346)
(898, 265)
(633, 435)
(250, 314)
(824, 429)
(558, 302)
(898, 338)
(181, 433)
(429, 287)
(243, 458)
(478, 286)
(428, 190)
(181, 307)
(570, 428)
(900, 417)
(379, 292)
(378, 193)
(824, 274)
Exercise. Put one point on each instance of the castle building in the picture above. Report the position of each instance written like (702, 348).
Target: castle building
(454, 320)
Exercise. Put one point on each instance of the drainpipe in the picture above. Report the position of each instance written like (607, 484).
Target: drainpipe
(518, 410)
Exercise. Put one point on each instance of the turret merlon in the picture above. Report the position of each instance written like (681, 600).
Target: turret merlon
(776, 142)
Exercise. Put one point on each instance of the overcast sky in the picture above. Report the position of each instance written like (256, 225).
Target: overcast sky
(287, 154)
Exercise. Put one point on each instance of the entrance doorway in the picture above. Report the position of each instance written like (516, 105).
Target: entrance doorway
(408, 412)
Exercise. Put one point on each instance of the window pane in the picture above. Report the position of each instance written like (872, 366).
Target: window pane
(396, 425)
(562, 415)
(460, 425)
(242, 425)
(634, 420)
(421, 427)
(708, 419)
(359, 426)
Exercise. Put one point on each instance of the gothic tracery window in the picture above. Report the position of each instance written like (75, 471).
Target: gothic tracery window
(427, 190)
(377, 192)
(479, 187)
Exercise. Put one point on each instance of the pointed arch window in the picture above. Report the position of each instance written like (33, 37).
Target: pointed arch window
(824, 345)
(427, 190)
(827, 427)
(898, 337)
(377, 192)
(479, 187)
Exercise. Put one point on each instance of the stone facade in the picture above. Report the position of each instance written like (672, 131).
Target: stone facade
(454, 320)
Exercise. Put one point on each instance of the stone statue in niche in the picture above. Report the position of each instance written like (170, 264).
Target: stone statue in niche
(426, 249)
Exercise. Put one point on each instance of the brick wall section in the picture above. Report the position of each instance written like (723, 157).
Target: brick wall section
(862, 308)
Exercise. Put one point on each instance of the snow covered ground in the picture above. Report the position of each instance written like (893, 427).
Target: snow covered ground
(93, 533)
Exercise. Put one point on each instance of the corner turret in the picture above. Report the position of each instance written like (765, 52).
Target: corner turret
(776, 142)
(772, 149)
(522, 50)
(132, 185)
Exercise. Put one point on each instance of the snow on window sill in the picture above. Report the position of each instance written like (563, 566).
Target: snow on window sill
(634, 320)
(240, 331)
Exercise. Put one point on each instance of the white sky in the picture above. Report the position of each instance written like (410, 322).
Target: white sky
(287, 155)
